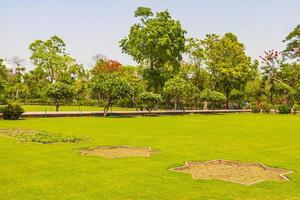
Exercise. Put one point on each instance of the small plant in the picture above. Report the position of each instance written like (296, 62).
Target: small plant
(284, 109)
(266, 107)
(255, 108)
(11, 111)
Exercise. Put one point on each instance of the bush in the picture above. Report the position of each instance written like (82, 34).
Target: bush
(149, 100)
(296, 108)
(284, 109)
(12, 111)
(266, 107)
(255, 108)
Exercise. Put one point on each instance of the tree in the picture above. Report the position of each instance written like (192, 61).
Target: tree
(16, 87)
(293, 43)
(51, 57)
(271, 62)
(3, 78)
(236, 96)
(35, 82)
(60, 93)
(254, 90)
(156, 42)
(106, 66)
(226, 60)
(214, 98)
(197, 75)
(109, 88)
(177, 88)
(149, 100)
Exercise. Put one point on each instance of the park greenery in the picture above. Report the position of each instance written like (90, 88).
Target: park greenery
(173, 72)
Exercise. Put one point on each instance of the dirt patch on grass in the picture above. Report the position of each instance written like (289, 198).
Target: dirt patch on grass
(237, 172)
(30, 135)
(118, 151)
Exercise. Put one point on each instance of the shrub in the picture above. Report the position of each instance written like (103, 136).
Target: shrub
(284, 109)
(266, 107)
(12, 111)
(255, 108)
(149, 100)
(296, 108)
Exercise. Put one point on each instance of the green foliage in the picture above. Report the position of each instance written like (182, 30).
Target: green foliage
(149, 100)
(293, 43)
(179, 89)
(109, 88)
(196, 75)
(266, 107)
(217, 99)
(3, 77)
(40, 137)
(214, 98)
(46, 138)
(52, 58)
(227, 62)
(284, 109)
(60, 93)
(296, 108)
(11, 111)
(157, 43)
(255, 108)
(143, 12)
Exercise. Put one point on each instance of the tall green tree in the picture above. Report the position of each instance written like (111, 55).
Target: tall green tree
(157, 43)
(3, 78)
(229, 66)
(271, 63)
(35, 82)
(51, 56)
(293, 43)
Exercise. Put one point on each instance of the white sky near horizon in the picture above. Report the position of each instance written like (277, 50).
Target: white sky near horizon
(91, 27)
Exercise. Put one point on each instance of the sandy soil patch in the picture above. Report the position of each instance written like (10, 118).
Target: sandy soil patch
(237, 172)
(118, 151)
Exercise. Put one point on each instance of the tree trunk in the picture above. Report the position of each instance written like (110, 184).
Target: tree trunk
(106, 108)
(105, 111)
(205, 105)
(176, 104)
(227, 100)
(56, 107)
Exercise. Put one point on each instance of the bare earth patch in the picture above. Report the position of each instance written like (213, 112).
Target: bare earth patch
(237, 172)
(118, 151)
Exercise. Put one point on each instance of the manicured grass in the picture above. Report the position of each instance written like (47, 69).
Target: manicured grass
(57, 171)
(42, 108)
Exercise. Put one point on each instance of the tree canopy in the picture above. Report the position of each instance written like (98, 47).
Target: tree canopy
(156, 42)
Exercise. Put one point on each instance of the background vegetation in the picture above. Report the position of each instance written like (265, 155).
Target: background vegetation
(207, 73)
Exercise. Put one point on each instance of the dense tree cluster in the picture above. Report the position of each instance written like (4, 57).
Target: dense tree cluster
(173, 72)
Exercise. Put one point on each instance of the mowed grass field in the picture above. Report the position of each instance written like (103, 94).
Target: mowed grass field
(58, 171)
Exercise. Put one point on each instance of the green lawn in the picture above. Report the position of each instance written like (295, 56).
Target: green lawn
(57, 171)
(42, 108)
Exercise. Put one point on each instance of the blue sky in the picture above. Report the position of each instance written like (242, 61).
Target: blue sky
(90, 27)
